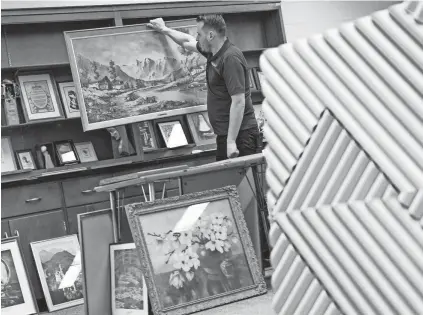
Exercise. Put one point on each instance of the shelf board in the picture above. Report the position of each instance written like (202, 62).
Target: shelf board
(36, 67)
(35, 123)
(254, 50)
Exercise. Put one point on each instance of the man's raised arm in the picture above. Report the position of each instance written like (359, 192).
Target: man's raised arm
(185, 40)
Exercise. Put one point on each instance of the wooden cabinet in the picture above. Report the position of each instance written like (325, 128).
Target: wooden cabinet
(30, 199)
(36, 228)
(80, 191)
(72, 214)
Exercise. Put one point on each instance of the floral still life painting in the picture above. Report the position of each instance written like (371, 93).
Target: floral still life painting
(200, 252)
(129, 292)
(59, 268)
(130, 74)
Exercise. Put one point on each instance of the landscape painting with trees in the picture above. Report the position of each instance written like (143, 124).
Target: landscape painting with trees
(128, 76)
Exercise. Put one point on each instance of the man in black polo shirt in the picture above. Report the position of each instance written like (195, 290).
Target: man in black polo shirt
(229, 104)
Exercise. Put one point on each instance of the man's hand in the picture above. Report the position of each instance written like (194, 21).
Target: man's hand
(158, 25)
(231, 149)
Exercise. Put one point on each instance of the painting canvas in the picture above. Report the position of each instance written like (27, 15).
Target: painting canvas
(129, 292)
(131, 73)
(16, 294)
(201, 129)
(197, 250)
(59, 268)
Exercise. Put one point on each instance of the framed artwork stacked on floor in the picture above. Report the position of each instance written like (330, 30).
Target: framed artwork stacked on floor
(17, 296)
(58, 263)
(196, 251)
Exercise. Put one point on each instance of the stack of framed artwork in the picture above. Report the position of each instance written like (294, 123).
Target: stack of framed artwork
(17, 296)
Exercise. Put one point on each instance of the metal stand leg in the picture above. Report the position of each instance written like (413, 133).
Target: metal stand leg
(151, 191)
(114, 211)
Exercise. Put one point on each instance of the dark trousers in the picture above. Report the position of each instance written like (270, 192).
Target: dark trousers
(247, 142)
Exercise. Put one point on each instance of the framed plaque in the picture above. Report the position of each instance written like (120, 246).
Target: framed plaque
(39, 97)
(69, 99)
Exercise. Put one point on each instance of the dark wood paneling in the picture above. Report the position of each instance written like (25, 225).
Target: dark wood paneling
(42, 44)
(30, 199)
(72, 214)
(246, 30)
(212, 180)
(273, 28)
(36, 228)
(80, 191)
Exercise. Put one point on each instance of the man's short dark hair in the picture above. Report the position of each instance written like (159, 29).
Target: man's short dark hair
(214, 21)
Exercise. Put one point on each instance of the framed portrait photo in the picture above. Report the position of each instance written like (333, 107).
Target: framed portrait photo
(173, 134)
(8, 163)
(86, 152)
(117, 87)
(201, 129)
(129, 291)
(69, 99)
(58, 263)
(196, 251)
(17, 296)
(66, 152)
(26, 160)
(39, 97)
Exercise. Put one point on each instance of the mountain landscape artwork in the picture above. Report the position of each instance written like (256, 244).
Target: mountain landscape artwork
(58, 265)
(124, 76)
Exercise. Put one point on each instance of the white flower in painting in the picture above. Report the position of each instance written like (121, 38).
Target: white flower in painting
(218, 218)
(227, 222)
(192, 258)
(222, 233)
(189, 275)
(171, 242)
(186, 238)
(234, 239)
(215, 244)
(176, 279)
(181, 262)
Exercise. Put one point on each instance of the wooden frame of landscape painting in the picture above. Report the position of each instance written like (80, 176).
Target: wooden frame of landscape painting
(59, 268)
(195, 251)
(17, 296)
(127, 74)
(128, 288)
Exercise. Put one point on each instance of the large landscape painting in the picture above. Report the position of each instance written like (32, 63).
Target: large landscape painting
(127, 76)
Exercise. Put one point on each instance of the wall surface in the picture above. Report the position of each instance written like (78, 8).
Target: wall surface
(305, 18)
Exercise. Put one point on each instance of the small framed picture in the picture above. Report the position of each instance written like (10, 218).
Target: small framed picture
(26, 160)
(17, 296)
(261, 120)
(173, 134)
(59, 268)
(128, 297)
(145, 131)
(259, 78)
(70, 102)
(86, 152)
(66, 153)
(8, 163)
(39, 97)
(251, 78)
(201, 129)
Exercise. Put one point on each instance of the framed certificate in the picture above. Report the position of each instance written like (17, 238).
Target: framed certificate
(39, 97)
(8, 163)
(26, 160)
(70, 102)
(86, 152)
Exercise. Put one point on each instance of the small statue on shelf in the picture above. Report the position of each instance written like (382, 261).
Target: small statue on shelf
(47, 158)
